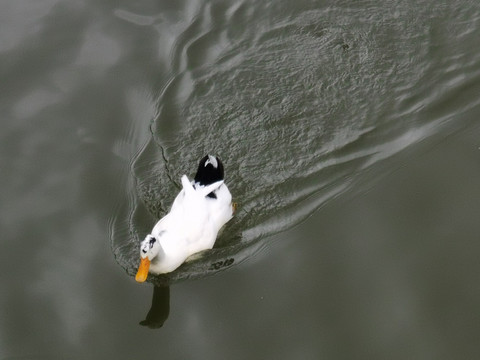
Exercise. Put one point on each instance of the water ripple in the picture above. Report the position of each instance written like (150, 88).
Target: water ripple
(296, 105)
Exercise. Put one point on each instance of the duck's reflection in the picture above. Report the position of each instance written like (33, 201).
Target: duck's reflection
(158, 313)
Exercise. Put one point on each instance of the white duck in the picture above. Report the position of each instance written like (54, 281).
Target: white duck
(198, 212)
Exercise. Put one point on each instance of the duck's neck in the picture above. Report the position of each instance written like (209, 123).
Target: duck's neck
(160, 255)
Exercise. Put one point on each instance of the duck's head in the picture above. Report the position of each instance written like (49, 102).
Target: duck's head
(149, 249)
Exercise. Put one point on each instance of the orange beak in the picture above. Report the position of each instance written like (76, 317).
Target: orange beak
(142, 272)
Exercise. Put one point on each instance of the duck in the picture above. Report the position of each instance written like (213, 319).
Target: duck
(201, 208)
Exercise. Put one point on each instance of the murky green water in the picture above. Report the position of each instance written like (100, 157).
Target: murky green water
(350, 135)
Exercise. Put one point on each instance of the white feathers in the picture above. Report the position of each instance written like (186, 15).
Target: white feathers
(191, 225)
(212, 160)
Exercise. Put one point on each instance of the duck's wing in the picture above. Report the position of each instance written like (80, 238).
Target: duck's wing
(187, 185)
(204, 191)
(186, 192)
(200, 190)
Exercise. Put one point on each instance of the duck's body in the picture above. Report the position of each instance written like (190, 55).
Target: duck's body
(198, 212)
(191, 225)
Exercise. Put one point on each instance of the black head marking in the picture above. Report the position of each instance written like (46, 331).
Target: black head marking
(151, 242)
(153, 239)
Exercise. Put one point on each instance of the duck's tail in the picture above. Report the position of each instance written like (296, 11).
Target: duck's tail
(210, 170)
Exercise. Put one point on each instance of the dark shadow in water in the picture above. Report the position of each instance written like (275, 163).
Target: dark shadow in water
(160, 309)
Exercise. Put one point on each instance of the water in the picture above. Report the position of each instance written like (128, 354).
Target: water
(349, 132)
(320, 94)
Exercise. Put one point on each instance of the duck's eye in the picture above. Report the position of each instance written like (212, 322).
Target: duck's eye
(151, 242)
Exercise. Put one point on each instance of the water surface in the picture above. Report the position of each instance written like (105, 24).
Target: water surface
(349, 131)
(297, 104)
